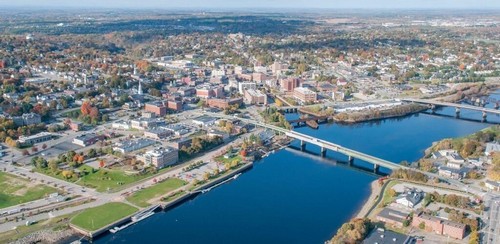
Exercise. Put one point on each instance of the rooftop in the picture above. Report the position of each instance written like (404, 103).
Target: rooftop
(381, 236)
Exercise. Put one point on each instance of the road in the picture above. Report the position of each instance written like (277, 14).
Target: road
(491, 230)
(101, 197)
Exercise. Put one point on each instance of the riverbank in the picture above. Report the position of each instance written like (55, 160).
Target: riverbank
(375, 191)
(378, 114)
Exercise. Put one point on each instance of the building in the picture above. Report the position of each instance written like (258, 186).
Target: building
(132, 145)
(75, 126)
(224, 103)
(410, 198)
(305, 95)
(242, 86)
(492, 185)
(259, 77)
(439, 226)
(121, 125)
(174, 105)
(452, 173)
(492, 147)
(289, 84)
(146, 123)
(204, 121)
(157, 108)
(88, 139)
(34, 139)
(157, 133)
(208, 91)
(392, 217)
(160, 157)
(182, 142)
(255, 97)
(27, 119)
(381, 236)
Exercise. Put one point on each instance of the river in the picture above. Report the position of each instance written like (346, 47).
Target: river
(291, 197)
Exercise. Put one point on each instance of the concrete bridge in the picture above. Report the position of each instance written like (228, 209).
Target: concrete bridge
(324, 145)
(433, 104)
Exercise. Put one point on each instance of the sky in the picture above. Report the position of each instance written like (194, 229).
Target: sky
(258, 4)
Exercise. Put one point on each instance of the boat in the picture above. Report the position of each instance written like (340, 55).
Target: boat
(236, 176)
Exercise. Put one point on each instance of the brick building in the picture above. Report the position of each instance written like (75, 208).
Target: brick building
(223, 103)
(305, 95)
(289, 84)
(157, 108)
(439, 226)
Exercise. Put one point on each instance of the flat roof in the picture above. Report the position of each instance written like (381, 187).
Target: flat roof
(380, 236)
(205, 119)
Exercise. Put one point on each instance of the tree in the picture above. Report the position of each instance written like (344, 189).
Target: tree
(102, 164)
(25, 152)
(94, 113)
(44, 146)
(406, 223)
(34, 149)
(85, 108)
(421, 225)
(67, 174)
(391, 192)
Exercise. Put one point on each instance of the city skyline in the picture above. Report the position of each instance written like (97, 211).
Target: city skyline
(261, 4)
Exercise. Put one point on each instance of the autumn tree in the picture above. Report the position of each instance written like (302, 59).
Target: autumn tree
(86, 108)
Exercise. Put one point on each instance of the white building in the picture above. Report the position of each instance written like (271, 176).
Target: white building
(160, 157)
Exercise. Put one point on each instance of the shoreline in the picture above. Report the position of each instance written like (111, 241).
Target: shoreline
(374, 194)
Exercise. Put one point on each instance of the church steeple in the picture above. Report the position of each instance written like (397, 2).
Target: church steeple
(139, 89)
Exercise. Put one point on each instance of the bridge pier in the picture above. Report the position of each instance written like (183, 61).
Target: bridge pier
(375, 168)
(484, 116)
(432, 107)
(497, 105)
(302, 145)
(323, 152)
(350, 160)
(457, 112)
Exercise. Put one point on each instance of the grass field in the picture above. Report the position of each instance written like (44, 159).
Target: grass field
(100, 179)
(103, 179)
(141, 197)
(95, 218)
(15, 190)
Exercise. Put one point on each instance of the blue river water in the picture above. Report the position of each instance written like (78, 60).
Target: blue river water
(291, 197)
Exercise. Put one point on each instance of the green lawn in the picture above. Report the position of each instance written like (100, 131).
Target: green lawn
(103, 179)
(386, 198)
(94, 218)
(100, 179)
(141, 197)
(15, 190)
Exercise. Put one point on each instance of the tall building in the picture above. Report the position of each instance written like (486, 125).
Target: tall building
(289, 84)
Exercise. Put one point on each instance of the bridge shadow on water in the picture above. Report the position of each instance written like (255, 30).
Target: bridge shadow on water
(332, 161)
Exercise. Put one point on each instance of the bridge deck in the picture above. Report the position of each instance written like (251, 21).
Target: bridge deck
(456, 105)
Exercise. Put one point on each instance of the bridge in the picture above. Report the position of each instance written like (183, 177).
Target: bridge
(324, 145)
(457, 106)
